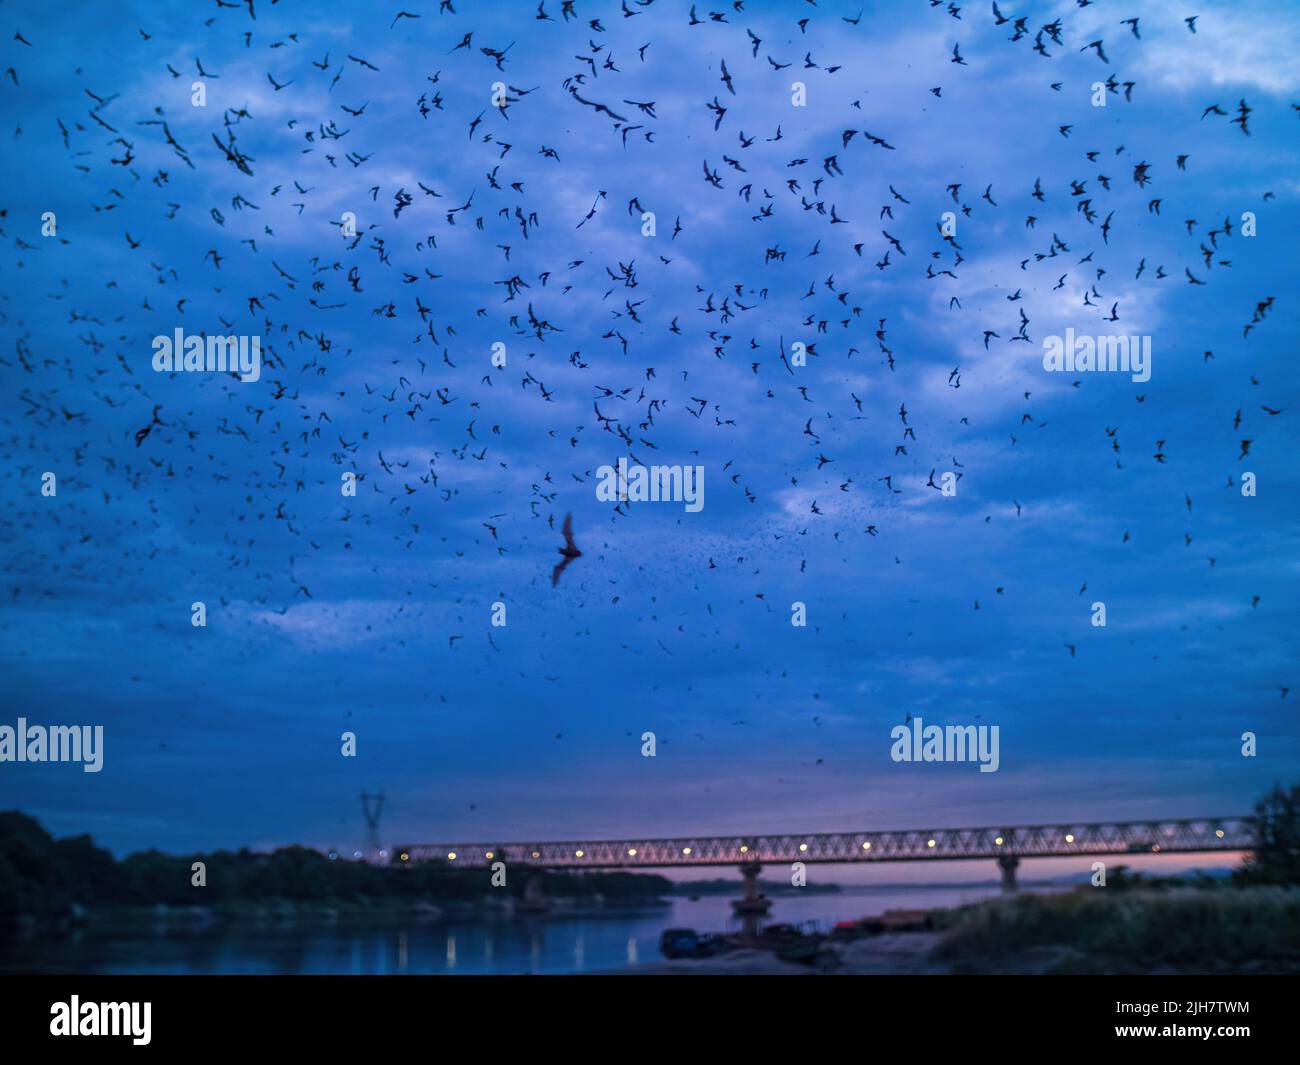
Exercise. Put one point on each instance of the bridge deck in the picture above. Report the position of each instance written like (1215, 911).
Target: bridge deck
(1024, 841)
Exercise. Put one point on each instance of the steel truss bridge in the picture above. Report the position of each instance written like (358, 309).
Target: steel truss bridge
(1008, 844)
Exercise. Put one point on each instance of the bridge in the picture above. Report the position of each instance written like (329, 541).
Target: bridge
(1007, 844)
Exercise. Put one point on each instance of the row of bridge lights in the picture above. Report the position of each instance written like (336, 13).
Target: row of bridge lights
(632, 852)
(744, 848)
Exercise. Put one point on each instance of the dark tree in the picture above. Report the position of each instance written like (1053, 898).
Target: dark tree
(1276, 856)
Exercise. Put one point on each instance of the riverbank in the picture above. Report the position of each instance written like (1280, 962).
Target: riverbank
(888, 954)
(1177, 931)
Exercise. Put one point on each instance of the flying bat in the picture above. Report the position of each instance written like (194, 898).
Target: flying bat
(569, 551)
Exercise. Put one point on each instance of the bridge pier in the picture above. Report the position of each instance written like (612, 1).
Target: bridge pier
(1007, 863)
(535, 900)
(752, 907)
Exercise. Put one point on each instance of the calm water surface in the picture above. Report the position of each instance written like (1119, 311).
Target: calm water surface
(557, 943)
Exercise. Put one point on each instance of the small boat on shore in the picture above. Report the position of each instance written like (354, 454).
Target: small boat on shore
(889, 921)
(802, 951)
(687, 943)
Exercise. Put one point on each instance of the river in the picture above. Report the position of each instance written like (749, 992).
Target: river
(557, 943)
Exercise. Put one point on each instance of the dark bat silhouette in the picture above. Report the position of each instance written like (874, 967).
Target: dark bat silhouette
(140, 434)
(569, 551)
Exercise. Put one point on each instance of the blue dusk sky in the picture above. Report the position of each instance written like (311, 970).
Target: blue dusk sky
(801, 199)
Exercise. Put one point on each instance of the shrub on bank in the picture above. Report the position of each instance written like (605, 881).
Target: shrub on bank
(1135, 928)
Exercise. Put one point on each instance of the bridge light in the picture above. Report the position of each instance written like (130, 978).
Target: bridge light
(686, 850)
(577, 854)
(489, 856)
(404, 856)
(744, 849)
(930, 843)
(1155, 848)
(537, 854)
(631, 852)
(866, 846)
(451, 856)
(803, 846)
(998, 841)
(1219, 832)
(1069, 837)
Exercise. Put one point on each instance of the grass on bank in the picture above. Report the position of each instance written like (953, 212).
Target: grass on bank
(1133, 929)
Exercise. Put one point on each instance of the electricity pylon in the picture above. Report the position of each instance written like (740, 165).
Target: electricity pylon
(371, 807)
